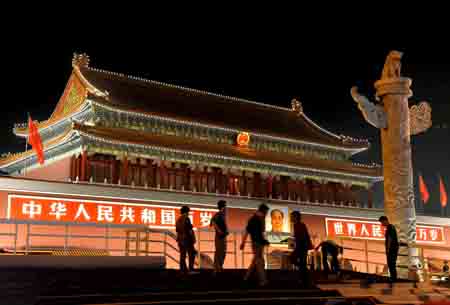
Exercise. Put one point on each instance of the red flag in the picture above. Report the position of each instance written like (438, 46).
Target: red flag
(423, 190)
(443, 193)
(35, 140)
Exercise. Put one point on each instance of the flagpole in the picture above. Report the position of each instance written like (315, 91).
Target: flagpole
(26, 148)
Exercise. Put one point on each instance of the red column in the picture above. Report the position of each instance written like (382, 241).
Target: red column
(113, 170)
(229, 183)
(124, 179)
(197, 178)
(153, 173)
(323, 192)
(344, 195)
(348, 196)
(83, 165)
(284, 187)
(162, 175)
(88, 168)
(269, 186)
(256, 184)
(206, 174)
(244, 183)
(72, 168)
(300, 190)
(137, 172)
(187, 181)
(331, 193)
(370, 197)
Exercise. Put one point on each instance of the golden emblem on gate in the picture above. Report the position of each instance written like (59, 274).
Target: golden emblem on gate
(243, 139)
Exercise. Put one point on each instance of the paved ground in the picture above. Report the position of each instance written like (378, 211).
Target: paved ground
(129, 286)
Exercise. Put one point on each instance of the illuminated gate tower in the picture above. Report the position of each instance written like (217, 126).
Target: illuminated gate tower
(396, 122)
(117, 129)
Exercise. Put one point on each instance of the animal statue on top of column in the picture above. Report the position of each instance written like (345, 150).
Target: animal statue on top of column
(375, 115)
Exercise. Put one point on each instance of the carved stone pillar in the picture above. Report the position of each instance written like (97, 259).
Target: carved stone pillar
(398, 178)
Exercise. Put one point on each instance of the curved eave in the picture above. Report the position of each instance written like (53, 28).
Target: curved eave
(115, 108)
(84, 108)
(7, 162)
(359, 145)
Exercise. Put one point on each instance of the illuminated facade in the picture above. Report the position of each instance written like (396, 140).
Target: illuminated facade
(139, 149)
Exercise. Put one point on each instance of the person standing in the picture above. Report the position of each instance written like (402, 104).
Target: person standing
(392, 246)
(186, 240)
(302, 245)
(330, 248)
(255, 228)
(445, 267)
(220, 226)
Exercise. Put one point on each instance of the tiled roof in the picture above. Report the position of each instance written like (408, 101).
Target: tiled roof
(140, 95)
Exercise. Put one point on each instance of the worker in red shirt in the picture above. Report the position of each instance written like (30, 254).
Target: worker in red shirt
(302, 245)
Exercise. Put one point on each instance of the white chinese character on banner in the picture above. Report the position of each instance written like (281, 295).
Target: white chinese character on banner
(205, 218)
(376, 231)
(364, 230)
(167, 217)
(31, 209)
(105, 213)
(191, 217)
(434, 234)
(351, 229)
(58, 209)
(127, 213)
(82, 210)
(148, 216)
(423, 234)
(338, 228)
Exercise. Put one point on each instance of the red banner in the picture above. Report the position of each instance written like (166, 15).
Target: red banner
(78, 210)
(375, 231)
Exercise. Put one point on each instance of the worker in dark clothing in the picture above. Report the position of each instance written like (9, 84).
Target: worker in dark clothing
(186, 240)
(330, 248)
(302, 245)
(220, 226)
(392, 246)
(255, 228)
(445, 268)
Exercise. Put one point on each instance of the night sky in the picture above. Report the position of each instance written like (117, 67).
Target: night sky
(264, 63)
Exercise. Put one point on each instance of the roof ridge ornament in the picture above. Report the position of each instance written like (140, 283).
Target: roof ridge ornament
(296, 106)
(392, 66)
(80, 60)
